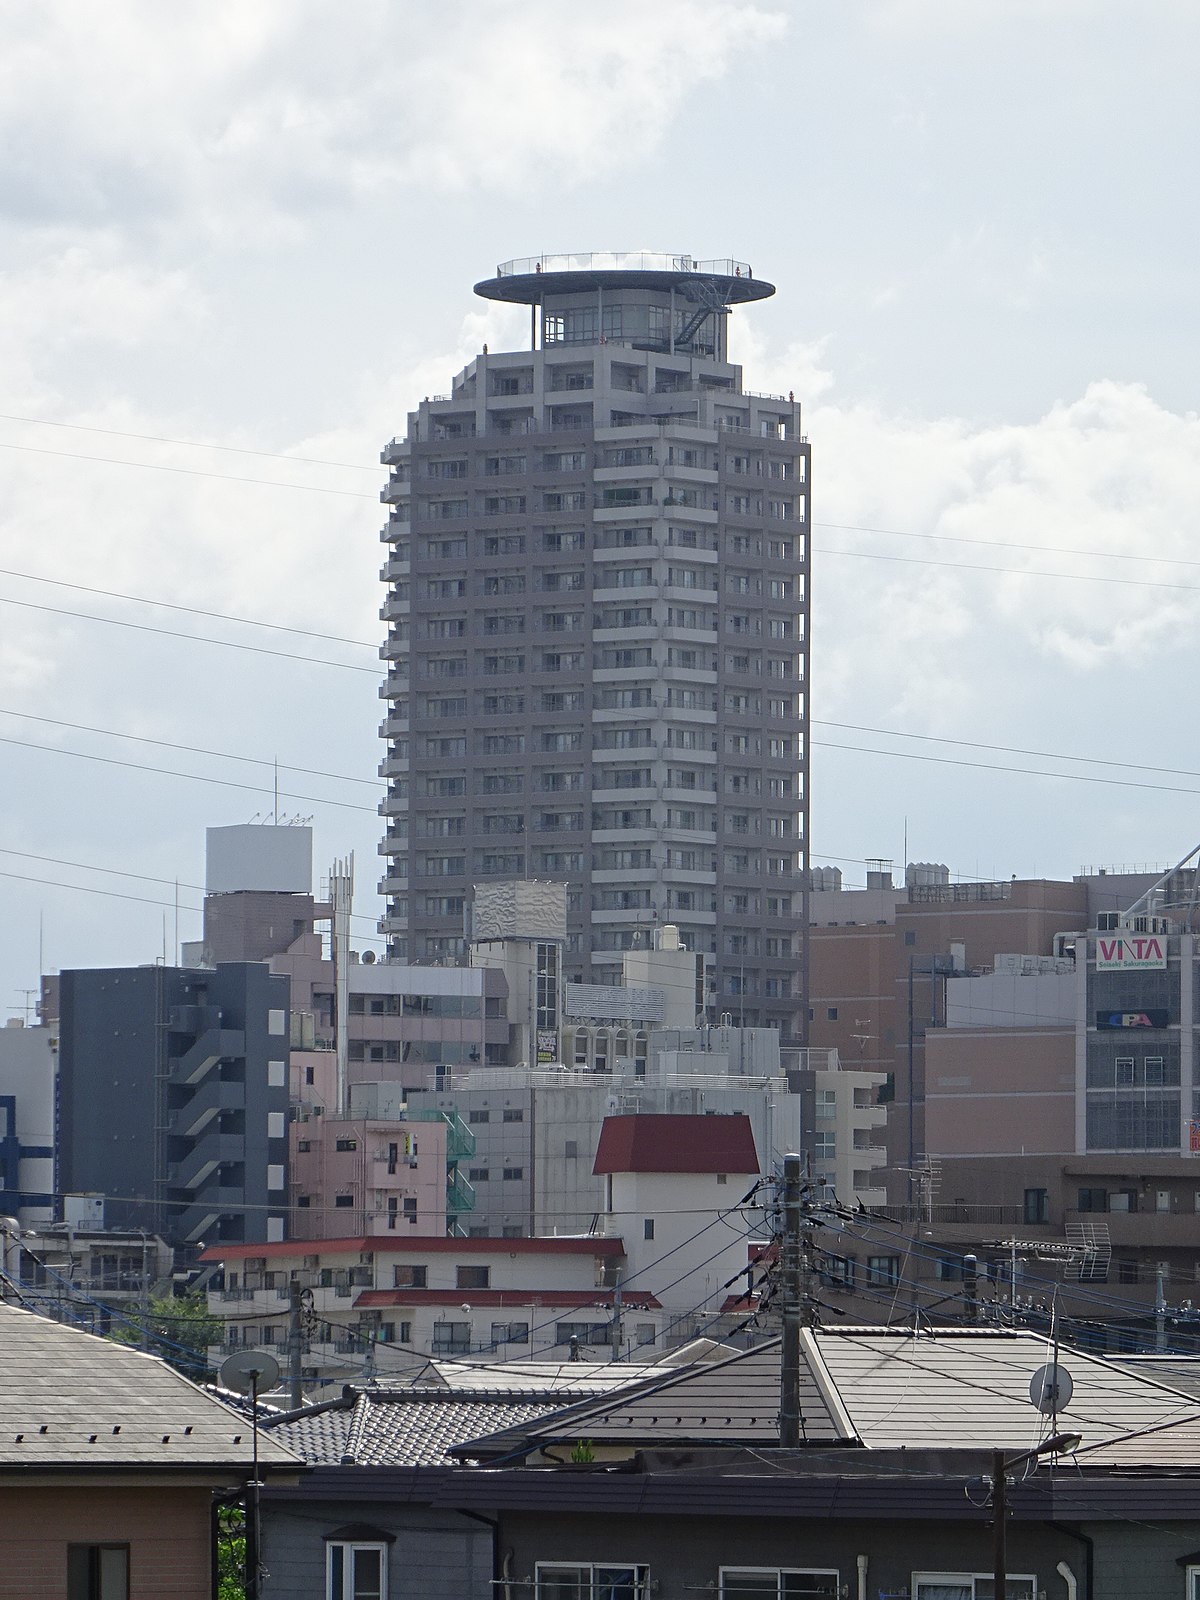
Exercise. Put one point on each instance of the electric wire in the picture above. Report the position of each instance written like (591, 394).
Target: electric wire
(190, 444)
(194, 638)
(189, 749)
(189, 472)
(191, 611)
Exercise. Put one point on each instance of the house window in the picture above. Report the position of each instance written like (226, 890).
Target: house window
(97, 1572)
(346, 1144)
(968, 1586)
(592, 1582)
(648, 1228)
(774, 1583)
(409, 1277)
(356, 1571)
(343, 1201)
(472, 1277)
(1037, 1205)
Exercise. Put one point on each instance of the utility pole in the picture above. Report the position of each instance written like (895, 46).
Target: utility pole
(1160, 1310)
(615, 1332)
(295, 1348)
(971, 1287)
(791, 1271)
(999, 1531)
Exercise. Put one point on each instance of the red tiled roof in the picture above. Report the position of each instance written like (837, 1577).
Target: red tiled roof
(646, 1143)
(552, 1298)
(429, 1245)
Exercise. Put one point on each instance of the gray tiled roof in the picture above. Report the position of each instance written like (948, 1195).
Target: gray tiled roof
(969, 1389)
(70, 1399)
(411, 1427)
(734, 1401)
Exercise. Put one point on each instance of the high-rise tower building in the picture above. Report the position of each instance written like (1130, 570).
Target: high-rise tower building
(597, 643)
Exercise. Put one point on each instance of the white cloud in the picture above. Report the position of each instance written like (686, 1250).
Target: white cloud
(258, 115)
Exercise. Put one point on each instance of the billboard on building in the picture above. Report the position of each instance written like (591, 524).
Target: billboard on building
(1130, 952)
(1152, 1017)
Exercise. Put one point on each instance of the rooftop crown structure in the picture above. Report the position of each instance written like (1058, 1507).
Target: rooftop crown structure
(597, 640)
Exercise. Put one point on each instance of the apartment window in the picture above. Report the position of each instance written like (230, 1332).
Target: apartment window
(356, 1571)
(1093, 1200)
(510, 1333)
(883, 1272)
(831, 1013)
(1037, 1205)
(648, 1228)
(451, 1338)
(479, 1174)
(514, 1173)
(472, 1277)
(514, 1115)
(592, 1582)
(97, 1572)
(479, 1116)
(969, 1586)
(775, 1583)
(409, 1277)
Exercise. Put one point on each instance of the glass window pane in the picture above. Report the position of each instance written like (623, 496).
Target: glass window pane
(114, 1574)
(564, 1583)
(368, 1574)
(615, 1583)
(810, 1585)
(737, 1585)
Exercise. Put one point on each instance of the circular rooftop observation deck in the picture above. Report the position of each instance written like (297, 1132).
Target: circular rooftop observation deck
(532, 279)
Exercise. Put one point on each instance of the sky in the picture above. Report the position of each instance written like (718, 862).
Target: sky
(237, 242)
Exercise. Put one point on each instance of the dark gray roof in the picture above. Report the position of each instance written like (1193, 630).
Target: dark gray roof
(71, 1399)
(410, 1427)
(732, 1402)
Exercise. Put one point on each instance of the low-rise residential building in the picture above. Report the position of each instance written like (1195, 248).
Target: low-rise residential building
(80, 1272)
(677, 1485)
(388, 1304)
(110, 1462)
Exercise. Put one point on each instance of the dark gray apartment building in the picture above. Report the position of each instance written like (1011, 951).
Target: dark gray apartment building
(173, 1089)
(597, 649)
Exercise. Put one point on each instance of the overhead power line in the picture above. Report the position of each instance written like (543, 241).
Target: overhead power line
(1011, 572)
(992, 766)
(190, 472)
(1007, 749)
(191, 611)
(191, 444)
(189, 749)
(193, 777)
(195, 638)
(1010, 544)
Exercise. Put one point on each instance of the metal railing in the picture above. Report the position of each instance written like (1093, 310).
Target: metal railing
(622, 261)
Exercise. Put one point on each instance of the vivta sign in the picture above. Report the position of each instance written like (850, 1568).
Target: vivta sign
(1130, 952)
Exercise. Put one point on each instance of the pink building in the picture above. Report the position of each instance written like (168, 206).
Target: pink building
(367, 1175)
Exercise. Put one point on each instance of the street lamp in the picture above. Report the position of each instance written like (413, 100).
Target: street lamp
(1058, 1444)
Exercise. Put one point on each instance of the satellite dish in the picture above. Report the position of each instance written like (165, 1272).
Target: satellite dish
(249, 1372)
(1050, 1388)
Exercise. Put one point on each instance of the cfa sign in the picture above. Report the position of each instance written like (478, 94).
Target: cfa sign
(1130, 952)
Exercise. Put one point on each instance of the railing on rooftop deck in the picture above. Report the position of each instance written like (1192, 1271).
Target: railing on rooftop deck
(622, 261)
